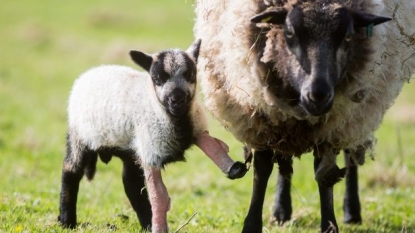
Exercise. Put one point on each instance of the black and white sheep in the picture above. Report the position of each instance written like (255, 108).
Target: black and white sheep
(288, 77)
(147, 120)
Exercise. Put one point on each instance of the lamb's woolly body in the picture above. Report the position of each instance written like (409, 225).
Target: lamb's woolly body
(232, 78)
(116, 106)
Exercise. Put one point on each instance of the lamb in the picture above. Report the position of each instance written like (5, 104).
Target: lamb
(288, 77)
(147, 120)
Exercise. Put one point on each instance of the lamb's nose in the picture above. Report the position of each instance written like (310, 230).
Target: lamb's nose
(178, 97)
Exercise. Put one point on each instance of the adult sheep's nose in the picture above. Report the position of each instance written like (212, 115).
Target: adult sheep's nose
(317, 98)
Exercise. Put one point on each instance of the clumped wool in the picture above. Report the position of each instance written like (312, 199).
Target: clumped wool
(233, 77)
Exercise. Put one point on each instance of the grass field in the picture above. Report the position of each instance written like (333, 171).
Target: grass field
(45, 44)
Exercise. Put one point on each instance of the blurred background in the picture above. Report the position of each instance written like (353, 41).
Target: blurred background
(45, 45)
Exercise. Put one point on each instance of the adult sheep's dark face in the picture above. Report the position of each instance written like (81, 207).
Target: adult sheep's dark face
(173, 73)
(314, 47)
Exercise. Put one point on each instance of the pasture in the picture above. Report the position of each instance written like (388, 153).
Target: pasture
(46, 44)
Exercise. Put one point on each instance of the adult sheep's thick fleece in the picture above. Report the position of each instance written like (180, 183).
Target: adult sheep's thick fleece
(232, 78)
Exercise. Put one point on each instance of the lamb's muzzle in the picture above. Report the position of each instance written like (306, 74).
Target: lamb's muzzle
(178, 102)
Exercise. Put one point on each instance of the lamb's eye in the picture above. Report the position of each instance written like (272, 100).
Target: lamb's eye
(159, 78)
(348, 37)
(157, 81)
(163, 76)
(189, 75)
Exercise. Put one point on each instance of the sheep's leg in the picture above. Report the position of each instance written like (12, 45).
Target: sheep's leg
(159, 199)
(351, 203)
(263, 166)
(217, 151)
(71, 176)
(328, 219)
(134, 187)
(283, 208)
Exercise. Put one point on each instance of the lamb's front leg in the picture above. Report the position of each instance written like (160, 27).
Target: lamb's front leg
(159, 199)
(217, 151)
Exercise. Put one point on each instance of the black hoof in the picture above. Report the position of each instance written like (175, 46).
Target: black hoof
(280, 219)
(66, 223)
(238, 170)
(281, 215)
(353, 221)
(333, 176)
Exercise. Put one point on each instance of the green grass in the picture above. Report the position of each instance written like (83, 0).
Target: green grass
(45, 44)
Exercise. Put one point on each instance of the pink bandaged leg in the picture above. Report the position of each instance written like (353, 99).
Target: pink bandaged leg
(159, 200)
(216, 150)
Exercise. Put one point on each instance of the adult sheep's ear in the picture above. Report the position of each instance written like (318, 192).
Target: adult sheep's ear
(194, 49)
(142, 59)
(363, 19)
(274, 15)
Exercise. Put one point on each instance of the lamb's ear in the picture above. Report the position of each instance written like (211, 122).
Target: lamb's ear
(363, 19)
(142, 59)
(194, 49)
(275, 15)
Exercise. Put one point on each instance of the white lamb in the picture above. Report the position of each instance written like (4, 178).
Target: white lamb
(147, 120)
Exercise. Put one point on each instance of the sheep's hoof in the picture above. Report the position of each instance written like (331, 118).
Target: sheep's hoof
(238, 170)
(65, 223)
(282, 212)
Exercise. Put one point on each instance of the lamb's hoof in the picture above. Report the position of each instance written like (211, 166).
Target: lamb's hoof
(332, 176)
(238, 170)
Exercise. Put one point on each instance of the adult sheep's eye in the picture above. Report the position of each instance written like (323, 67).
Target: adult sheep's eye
(348, 37)
(289, 31)
(289, 34)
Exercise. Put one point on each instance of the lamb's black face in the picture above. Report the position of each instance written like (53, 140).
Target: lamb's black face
(173, 73)
(174, 77)
(319, 37)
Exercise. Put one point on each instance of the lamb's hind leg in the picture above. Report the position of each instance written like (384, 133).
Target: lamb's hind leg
(351, 203)
(282, 206)
(72, 173)
(263, 165)
(134, 187)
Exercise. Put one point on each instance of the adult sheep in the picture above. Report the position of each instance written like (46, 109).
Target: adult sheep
(147, 120)
(288, 77)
